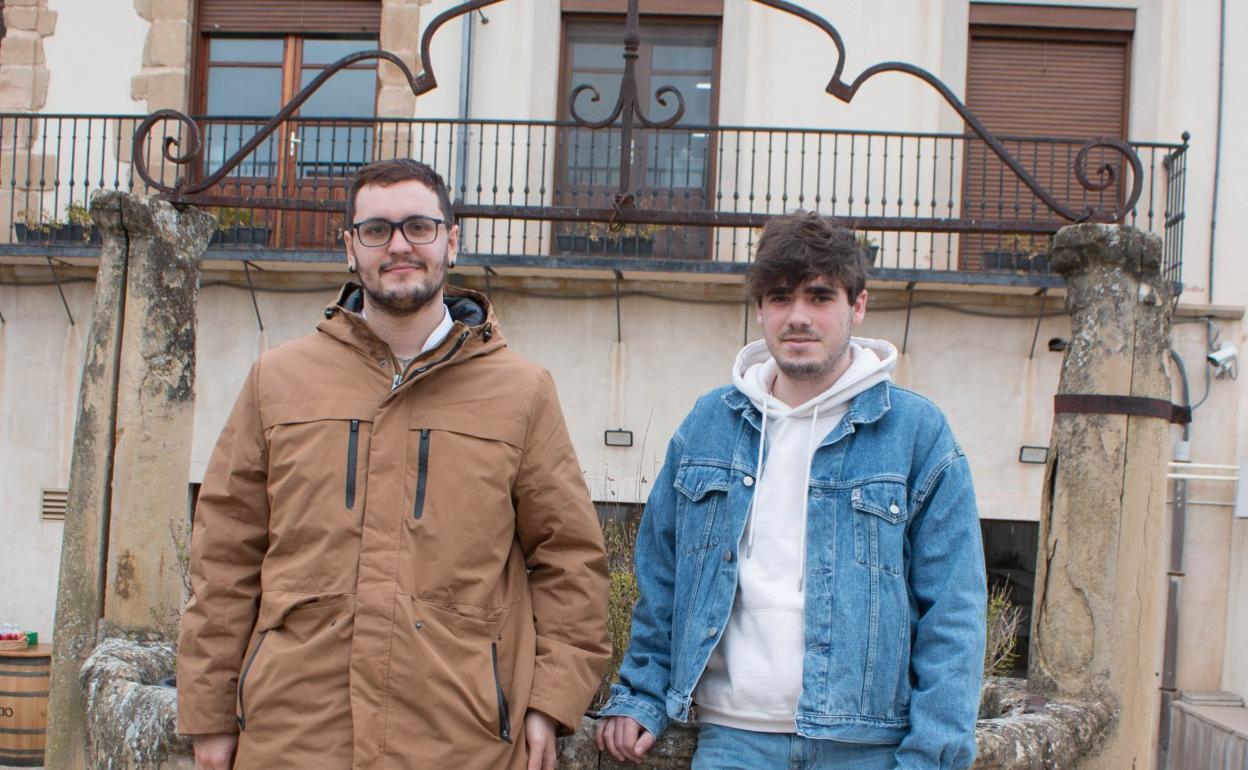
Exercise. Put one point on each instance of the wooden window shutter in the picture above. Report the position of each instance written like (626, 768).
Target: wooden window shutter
(290, 16)
(1048, 87)
(1067, 84)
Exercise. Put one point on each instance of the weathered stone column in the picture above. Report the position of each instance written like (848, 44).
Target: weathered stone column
(128, 475)
(1099, 620)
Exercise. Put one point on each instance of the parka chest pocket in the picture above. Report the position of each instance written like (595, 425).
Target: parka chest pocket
(704, 493)
(318, 449)
(880, 514)
(462, 466)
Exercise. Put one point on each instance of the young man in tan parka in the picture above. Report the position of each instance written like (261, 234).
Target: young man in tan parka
(395, 560)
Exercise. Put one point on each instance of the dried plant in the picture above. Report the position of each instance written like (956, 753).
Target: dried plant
(619, 534)
(1004, 621)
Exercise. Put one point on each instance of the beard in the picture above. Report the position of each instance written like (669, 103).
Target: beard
(405, 300)
(809, 370)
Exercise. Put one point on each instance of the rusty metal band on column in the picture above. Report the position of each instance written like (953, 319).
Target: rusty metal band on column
(1133, 406)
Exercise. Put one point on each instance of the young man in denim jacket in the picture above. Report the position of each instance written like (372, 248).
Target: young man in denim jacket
(810, 566)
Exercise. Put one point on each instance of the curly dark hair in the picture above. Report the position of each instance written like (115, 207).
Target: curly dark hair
(797, 247)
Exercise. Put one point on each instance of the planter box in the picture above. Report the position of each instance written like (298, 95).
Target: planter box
(69, 235)
(1006, 260)
(241, 235)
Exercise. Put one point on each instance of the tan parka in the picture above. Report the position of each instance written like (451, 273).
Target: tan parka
(389, 573)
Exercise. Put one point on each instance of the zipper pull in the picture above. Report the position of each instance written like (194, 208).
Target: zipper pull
(398, 379)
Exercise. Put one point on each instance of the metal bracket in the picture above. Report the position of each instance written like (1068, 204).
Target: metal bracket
(619, 326)
(255, 305)
(1134, 406)
(489, 271)
(60, 290)
(1039, 318)
(905, 340)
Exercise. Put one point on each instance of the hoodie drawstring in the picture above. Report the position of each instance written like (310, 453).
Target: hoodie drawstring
(758, 477)
(810, 453)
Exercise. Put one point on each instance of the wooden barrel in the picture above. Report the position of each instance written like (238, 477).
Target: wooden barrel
(24, 676)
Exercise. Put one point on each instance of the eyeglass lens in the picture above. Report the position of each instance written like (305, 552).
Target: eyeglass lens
(417, 231)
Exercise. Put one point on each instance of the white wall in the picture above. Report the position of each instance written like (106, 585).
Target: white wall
(96, 49)
(41, 357)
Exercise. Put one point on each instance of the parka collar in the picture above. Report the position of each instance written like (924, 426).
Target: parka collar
(475, 330)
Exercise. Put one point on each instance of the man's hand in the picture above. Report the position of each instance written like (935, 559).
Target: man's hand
(539, 737)
(215, 752)
(627, 740)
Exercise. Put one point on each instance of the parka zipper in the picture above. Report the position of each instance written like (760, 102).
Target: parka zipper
(422, 468)
(504, 715)
(398, 377)
(353, 446)
(242, 679)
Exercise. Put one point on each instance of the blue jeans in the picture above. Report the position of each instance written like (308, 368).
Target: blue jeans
(727, 748)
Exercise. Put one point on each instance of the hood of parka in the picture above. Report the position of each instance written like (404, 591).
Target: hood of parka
(475, 331)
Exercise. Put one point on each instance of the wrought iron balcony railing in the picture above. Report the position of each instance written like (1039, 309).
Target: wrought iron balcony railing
(928, 205)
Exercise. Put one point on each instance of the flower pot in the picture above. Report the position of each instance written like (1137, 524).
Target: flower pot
(241, 235)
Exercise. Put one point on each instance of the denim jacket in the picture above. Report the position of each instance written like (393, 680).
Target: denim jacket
(895, 594)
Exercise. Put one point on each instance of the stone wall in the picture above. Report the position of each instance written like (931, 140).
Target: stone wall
(165, 80)
(23, 88)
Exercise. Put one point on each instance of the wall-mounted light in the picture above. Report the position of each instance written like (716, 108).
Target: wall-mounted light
(1034, 455)
(618, 437)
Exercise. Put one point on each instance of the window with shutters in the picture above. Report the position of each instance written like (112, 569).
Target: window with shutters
(253, 58)
(671, 168)
(1058, 73)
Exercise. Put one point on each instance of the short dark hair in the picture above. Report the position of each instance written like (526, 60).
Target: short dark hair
(384, 173)
(797, 247)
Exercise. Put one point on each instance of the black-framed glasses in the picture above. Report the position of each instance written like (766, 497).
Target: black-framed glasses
(418, 230)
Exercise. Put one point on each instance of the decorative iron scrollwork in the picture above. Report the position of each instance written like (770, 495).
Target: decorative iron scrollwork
(1109, 174)
(183, 185)
(628, 111)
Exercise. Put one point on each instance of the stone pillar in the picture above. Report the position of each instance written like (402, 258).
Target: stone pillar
(1098, 622)
(128, 476)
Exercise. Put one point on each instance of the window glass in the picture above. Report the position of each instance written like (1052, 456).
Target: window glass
(244, 91)
(600, 54)
(349, 93)
(691, 53)
(330, 51)
(608, 86)
(246, 49)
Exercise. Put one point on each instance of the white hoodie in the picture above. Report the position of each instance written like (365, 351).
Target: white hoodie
(754, 676)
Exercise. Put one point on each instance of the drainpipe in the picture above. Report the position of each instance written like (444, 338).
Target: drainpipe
(465, 101)
(1217, 144)
(1174, 578)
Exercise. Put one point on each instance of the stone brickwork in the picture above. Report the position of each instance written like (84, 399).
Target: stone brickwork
(400, 35)
(23, 88)
(165, 80)
(23, 69)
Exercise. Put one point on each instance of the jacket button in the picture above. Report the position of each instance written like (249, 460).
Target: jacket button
(748, 481)
(893, 509)
(710, 632)
(728, 555)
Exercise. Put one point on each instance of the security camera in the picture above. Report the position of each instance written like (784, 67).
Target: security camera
(1223, 358)
(1223, 355)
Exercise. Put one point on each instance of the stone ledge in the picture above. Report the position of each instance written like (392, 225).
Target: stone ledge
(131, 719)
(132, 722)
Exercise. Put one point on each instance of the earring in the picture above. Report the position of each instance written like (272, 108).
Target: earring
(350, 267)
